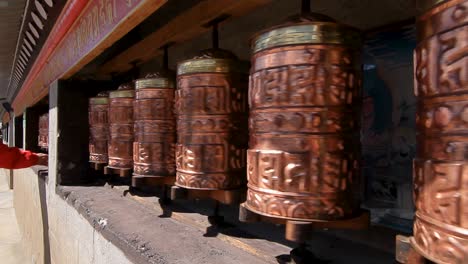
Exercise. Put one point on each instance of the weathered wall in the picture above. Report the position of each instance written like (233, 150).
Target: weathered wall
(71, 238)
(74, 240)
(27, 203)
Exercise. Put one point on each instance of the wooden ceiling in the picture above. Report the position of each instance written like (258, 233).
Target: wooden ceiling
(11, 12)
(247, 17)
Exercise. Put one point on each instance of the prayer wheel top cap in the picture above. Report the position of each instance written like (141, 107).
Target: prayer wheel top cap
(212, 61)
(103, 94)
(308, 28)
(125, 90)
(161, 79)
(127, 86)
(101, 98)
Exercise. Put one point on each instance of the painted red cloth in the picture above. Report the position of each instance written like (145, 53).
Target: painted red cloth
(15, 158)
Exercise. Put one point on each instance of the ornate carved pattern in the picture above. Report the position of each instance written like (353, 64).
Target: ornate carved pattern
(438, 147)
(439, 192)
(303, 158)
(290, 171)
(318, 120)
(211, 94)
(155, 132)
(155, 127)
(212, 124)
(121, 131)
(445, 244)
(212, 130)
(440, 60)
(99, 132)
(291, 77)
(445, 115)
(210, 181)
(154, 104)
(441, 170)
(321, 206)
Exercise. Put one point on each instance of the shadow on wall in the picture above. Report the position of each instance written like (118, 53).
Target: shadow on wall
(43, 175)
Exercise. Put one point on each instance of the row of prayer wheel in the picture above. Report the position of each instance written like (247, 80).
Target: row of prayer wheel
(43, 138)
(299, 149)
(297, 146)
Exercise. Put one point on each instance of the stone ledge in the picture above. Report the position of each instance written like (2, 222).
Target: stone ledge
(41, 171)
(137, 225)
(143, 235)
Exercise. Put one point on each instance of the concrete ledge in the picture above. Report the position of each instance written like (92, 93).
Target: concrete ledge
(103, 224)
(147, 232)
(144, 235)
(41, 171)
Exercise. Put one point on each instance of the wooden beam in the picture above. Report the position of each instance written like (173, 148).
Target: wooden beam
(99, 24)
(122, 28)
(186, 26)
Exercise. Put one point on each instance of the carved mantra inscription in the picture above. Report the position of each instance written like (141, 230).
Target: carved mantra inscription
(212, 130)
(302, 161)
(155, 132)
(441, 168)
(99, 132)
(121, 133)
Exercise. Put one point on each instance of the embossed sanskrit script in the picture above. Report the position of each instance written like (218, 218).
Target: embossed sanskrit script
(441, 168)
(155, 131)
(212, 131)
(99, 129)
(302, 160)
(121, 131)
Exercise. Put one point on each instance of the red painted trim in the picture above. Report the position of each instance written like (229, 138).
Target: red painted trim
(68, 16)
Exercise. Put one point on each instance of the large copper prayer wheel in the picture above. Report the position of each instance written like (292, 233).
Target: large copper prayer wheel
(98, 128)
(43, 139)
(441, 166)
(302, 162)
(155, 126)
(211, 108)
(121, 133)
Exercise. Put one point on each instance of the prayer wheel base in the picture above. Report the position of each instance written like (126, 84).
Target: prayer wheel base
(144, 181)
(300, 231)
(233, 196)
(123, 173)
(97, 166)
(405, 253)
(300, 255)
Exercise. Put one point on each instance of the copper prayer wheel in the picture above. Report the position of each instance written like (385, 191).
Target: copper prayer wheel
(155, 126)
(98, 128)
(441, 165)
(121, 131)
(43, 139)
(302, 162)
(211, 108)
